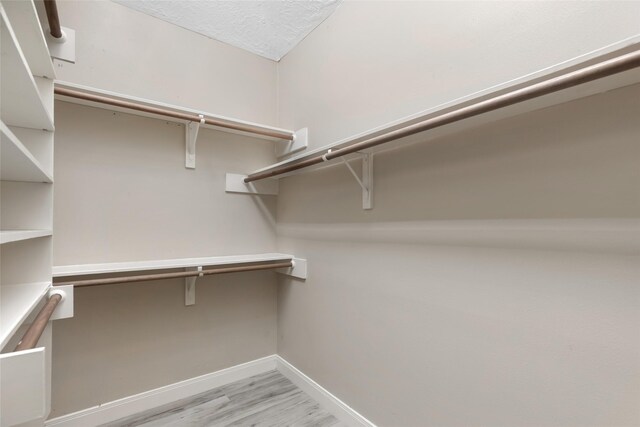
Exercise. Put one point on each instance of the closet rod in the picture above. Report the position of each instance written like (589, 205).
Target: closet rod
(32, 336)
(583, 75)
(52, 16)
(163, 112)
(181, 274)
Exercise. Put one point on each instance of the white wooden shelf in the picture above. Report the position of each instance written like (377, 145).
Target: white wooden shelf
(26, 26)
(26, 156)
(22, 101)
(16, 302)
(16, 161)
(8, 236)
(119, 267)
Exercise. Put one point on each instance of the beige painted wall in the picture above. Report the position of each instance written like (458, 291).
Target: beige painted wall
(447, 332)
(373, 62)
(123, 193)
(485, 287)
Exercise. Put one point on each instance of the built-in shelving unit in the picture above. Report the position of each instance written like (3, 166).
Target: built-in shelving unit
(26, 207)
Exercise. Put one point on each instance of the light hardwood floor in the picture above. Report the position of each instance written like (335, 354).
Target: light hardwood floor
(263, 400)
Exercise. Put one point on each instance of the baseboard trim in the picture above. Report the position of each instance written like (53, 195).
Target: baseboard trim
(124, 407)
(337, 407)
(127, 406)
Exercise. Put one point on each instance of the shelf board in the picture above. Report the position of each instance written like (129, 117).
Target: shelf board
(8, 236)
(22, 103)
(16, 161)
(26, 26)
(119, 267)
(16, 302)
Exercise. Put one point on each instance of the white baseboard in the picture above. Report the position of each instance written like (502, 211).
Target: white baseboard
(124, 407)
(160, 396)
(331, 403)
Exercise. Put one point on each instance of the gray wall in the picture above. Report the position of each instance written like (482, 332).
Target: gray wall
(495, 281)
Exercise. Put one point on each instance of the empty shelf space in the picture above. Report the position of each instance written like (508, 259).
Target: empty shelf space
(119, 267)
(16, 302)
(17, 162)
(22, 103)
(8, 236)
(26, 26)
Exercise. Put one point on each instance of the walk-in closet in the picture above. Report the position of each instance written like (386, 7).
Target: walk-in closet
(319, 213)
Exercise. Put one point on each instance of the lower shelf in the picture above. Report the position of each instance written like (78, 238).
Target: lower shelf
(16, 303)
(119, 267)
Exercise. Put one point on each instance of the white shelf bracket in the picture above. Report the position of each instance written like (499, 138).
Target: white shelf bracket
(191, 134)
(299, 269)
(300, 142)
(190, 286)
(366, 183)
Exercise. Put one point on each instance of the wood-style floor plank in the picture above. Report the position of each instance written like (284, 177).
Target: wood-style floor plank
(265, 400)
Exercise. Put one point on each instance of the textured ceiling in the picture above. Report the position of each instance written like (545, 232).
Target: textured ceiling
(269, 28)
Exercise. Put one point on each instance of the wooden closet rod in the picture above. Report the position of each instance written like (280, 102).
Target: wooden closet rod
(32, 336)
(574, 78)
(52, 16)
(181, 274)
(175, 114)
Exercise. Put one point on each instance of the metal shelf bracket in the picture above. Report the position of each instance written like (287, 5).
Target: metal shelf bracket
(191, 134)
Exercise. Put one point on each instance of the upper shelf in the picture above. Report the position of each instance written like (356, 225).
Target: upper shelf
(26, 26)
(227, 124)
(22, 103)
(16, 161)
(120, 267)
(487, 106)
